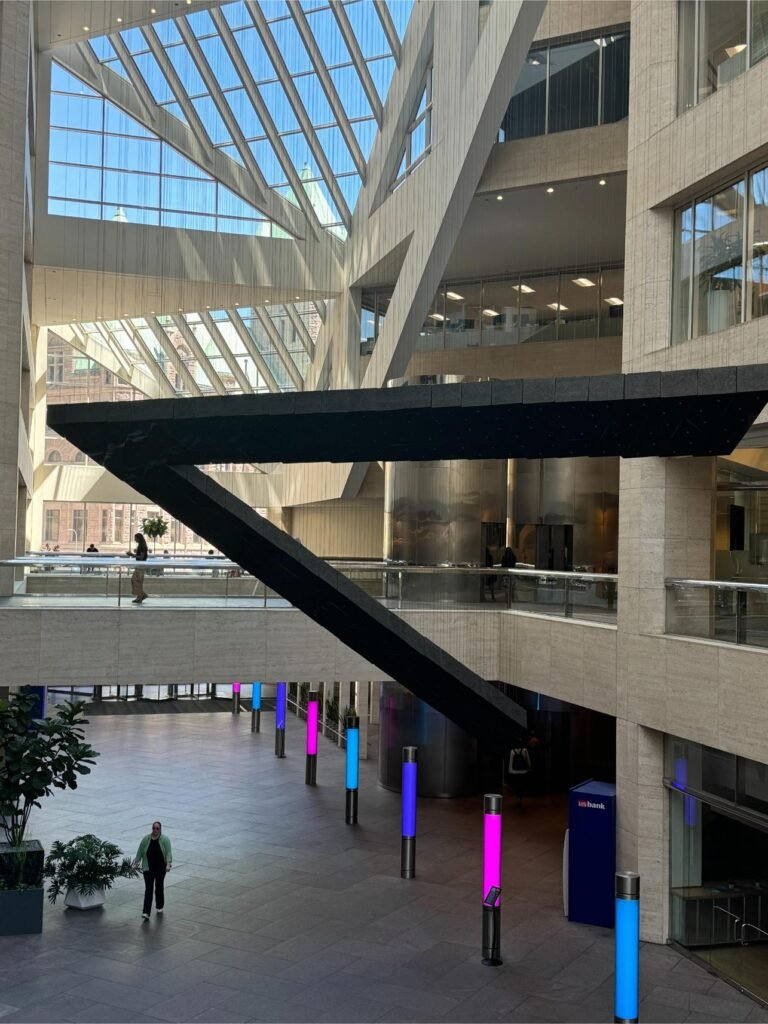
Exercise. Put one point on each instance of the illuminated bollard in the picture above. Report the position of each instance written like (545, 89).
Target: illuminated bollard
(625, 1007)
(235, 698)
(492, 880)
(352, 723)
(256, 708)
(408, 830)
(280, 705)
(310, 773)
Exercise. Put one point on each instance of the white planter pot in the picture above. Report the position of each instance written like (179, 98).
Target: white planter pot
(77, 902)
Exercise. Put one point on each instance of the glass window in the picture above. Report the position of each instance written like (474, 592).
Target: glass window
(722, 43)
(77, 112)
(52, 516)
(686, 55)
(132, 154)
(104, 535)
(79, 524)
(611, 303)
(189, 194)
(579, 300)
(67, 182)
(117, 530)
(573, 85)
(615, 104)
(717, 260)
(75, 147)
(463, 311)
(759, 268)
(759, 41)
(681, 275)
(527, 113)
(539, 308)
(431, 334)
(501, 299)
(132, 189)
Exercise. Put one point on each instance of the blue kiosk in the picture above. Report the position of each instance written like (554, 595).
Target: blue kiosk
(592, 853)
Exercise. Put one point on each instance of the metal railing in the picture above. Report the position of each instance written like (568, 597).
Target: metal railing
(732, 611)
(581, 595)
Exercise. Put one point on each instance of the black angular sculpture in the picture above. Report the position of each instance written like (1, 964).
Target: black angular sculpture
(154, 446)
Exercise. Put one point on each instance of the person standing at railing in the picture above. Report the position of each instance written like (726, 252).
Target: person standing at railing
(137, 579)
(509, 561)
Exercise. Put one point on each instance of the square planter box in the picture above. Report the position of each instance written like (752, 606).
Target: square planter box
(22, 864)
(21, 911)
(79, 902)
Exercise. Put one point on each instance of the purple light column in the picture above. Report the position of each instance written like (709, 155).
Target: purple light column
(235, 698)
(280, 706)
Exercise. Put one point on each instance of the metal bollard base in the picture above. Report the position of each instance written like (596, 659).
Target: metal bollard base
(625, 1020)
(408, 856)
(491, 937)
(256, 721)
(279, 742)
(351, 808)
(235, 703)
(310, 771)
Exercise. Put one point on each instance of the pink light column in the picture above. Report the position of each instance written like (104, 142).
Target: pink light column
(310, 774)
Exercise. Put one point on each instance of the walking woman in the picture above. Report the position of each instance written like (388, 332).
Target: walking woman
(154, 856)
(137, 579)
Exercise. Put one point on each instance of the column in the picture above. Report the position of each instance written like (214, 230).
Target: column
(642, 827)
(345, 699)
(362, 699)
(14, 78)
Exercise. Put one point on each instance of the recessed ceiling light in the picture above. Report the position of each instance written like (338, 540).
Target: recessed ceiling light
(613, 301)
(524, 288)
(602, 182)
(556, 306)
(86, 29)
(490, 312)
(207, 307)
(436, 316)
(455, 296)
(237, 303)
(119, 21)
(600, 42)
(151, 312)
(298, 298)
(153, 10)
(583, 282)
(550, 189)
(733, 50)
(499, 198)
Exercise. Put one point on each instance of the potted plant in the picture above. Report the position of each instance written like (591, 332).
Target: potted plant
(154, 527)
(36, 757)
(84, 868)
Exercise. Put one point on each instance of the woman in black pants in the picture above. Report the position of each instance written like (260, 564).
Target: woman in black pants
(155, 857)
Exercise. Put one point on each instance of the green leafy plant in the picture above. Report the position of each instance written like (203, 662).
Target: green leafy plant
(85, 864)
(154, 527)
(38, 756)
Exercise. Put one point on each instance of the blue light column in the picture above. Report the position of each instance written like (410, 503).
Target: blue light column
(256, 707)
(408, 831)
(280, 706)
(627, 947)
(352, 722)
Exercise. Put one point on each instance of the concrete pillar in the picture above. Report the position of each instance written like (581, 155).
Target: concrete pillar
(375, 691)
(345, 699)
(642, 837)
(362, 703)
(14, 79)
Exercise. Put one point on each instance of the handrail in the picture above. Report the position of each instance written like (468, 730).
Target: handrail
(50, 561)
(676, 584)
(735, 917)
(745, 942)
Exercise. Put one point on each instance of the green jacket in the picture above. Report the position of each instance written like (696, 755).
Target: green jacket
(165, 848)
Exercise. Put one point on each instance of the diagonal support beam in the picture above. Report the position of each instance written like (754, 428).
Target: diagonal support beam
(285, 357)
(382, 9)
(189, 382)
(300, 327)
(274, 54)
(155, 369)
(245, 336)
(345, 26)
(267, 121)
(224, 351)
(196, 349)
(325, 80)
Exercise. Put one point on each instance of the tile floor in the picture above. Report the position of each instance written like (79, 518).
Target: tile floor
(278, 911)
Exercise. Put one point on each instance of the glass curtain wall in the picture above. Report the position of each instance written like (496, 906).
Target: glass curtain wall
(714, 237)
(718, 864)
(717, 41)
(569, 85)
(557, 306)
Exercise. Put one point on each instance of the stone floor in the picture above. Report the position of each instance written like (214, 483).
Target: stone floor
(278, 911)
